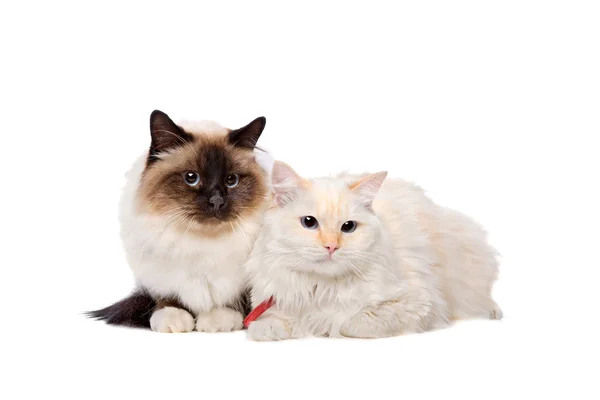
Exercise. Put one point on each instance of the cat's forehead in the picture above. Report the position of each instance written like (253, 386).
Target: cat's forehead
(211, 152)
(330, 196)
(204, 128)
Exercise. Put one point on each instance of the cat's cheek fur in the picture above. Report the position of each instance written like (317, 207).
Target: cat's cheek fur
(171, 320)
(219, 320)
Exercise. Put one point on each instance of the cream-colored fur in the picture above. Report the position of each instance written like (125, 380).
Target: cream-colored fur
(410, 265)
(171, 320)
(219, 320)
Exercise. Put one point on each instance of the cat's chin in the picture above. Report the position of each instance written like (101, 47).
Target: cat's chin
(205, 226)
(326, 268)
(212, 219)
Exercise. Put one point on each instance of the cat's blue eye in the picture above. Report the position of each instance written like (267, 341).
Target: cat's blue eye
(232, 180)
(191, 178)
(309, 222)
(349, 226)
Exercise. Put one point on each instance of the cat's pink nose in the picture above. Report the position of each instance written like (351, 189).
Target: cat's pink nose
(331, 247)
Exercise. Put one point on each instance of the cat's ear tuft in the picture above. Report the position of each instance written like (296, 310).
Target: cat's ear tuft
(165, 134)
(286, 183)
(248, 135)
(368, 187)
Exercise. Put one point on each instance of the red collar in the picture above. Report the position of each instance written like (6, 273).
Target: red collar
(258, 311)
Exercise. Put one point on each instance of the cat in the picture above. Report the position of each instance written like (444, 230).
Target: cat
(190, 211)
(352, 256)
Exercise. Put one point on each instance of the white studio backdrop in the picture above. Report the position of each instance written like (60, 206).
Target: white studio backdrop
(492, 107)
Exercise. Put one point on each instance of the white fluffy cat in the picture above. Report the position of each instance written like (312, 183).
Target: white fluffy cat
(354, 256)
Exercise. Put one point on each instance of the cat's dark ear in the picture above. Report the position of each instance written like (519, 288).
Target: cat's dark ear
(368, 187)
(248, 135)
(286, 183)
(166, 135)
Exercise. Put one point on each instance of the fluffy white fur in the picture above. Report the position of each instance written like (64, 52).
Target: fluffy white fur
(206, 273)
(219, 320)
(410, 265)
(171, 320)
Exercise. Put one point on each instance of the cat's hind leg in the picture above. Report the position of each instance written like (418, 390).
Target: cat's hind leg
(471, 269)
(496, 311)
(487, 309)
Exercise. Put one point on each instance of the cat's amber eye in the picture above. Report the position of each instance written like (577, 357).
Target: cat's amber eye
(349, 226)
(309, 222)
(232, 180)
(191, 178)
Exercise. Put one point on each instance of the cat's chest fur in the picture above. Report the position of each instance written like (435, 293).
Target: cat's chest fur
(202, 272)
(296, 292)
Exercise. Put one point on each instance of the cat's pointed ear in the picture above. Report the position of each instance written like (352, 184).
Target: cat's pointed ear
(286, 183)
(165, 134)
(248, 135)
(368, 187)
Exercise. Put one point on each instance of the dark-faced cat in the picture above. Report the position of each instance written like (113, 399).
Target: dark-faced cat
(190, 212)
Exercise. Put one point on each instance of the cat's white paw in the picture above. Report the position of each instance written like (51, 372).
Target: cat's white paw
(267, 329)
(357, 329)
(496, 312)
(364, 326)
(219, 320)
(171, 320)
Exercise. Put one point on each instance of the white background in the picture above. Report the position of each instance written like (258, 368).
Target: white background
(493, 107)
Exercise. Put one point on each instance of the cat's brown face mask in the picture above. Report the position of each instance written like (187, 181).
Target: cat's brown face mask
(202, 180)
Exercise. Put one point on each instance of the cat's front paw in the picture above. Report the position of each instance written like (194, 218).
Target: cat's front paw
(171, 320)
(219, 320)
(363, 326)
(268, 329)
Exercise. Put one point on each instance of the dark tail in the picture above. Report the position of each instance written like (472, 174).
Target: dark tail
(134, 311)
